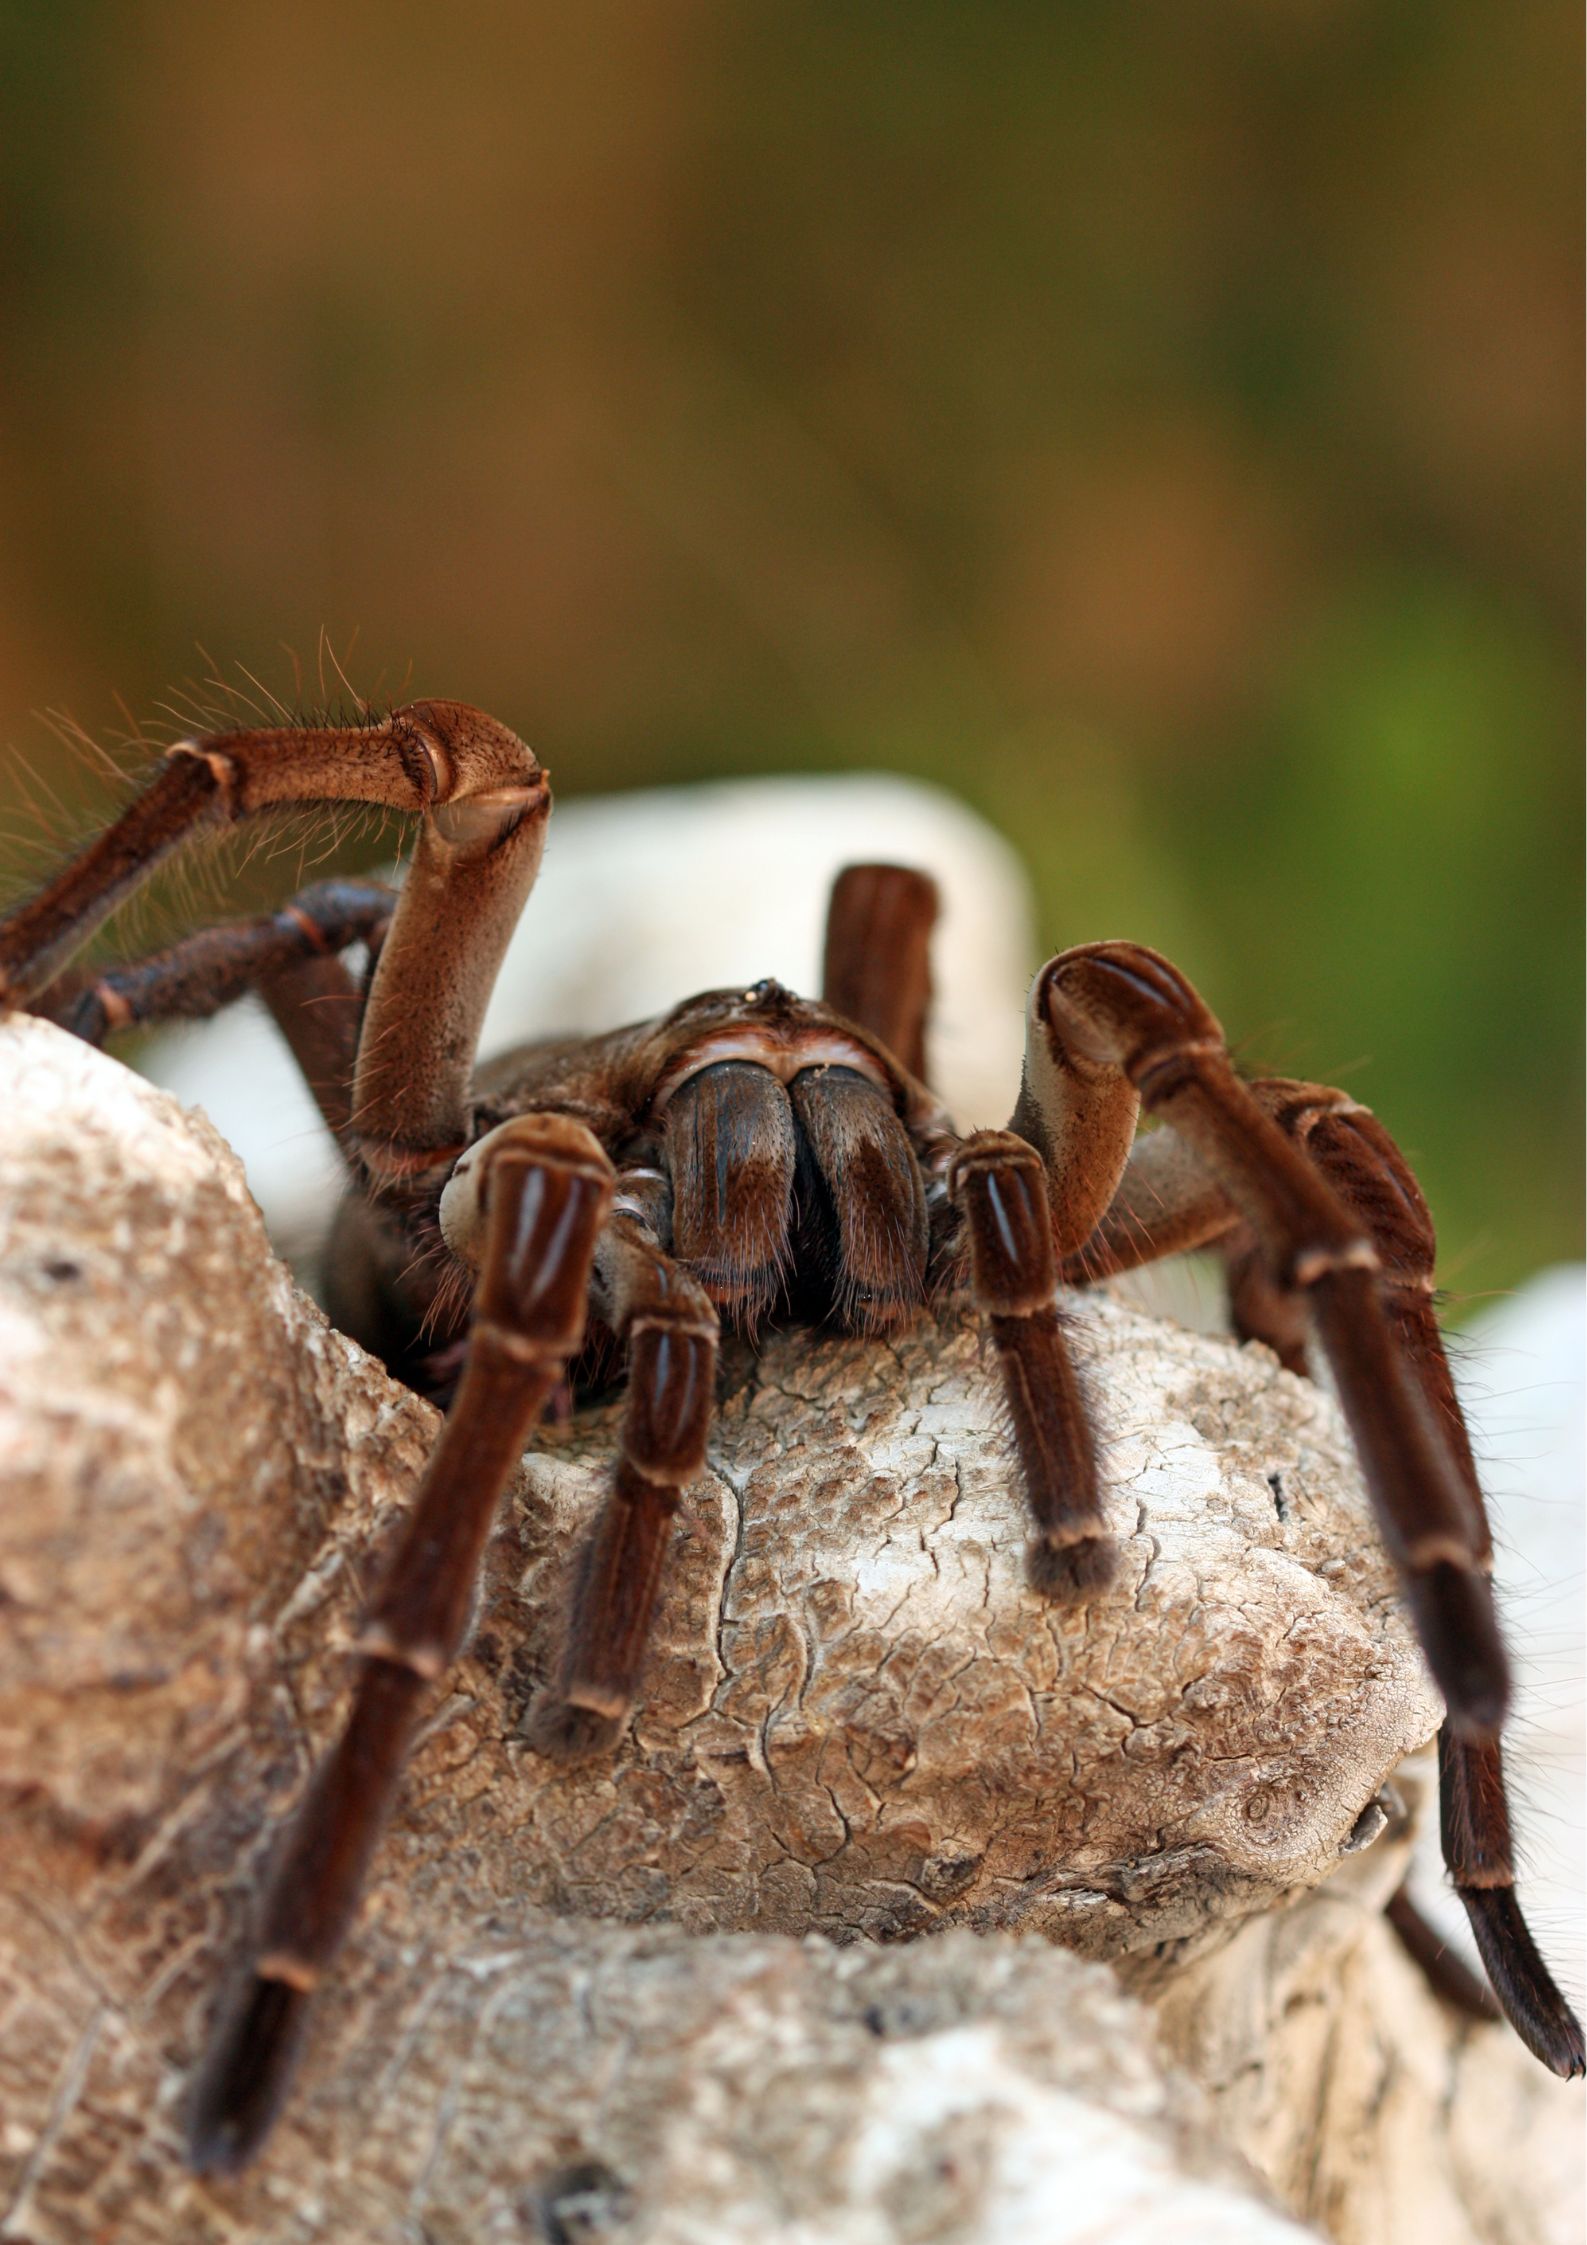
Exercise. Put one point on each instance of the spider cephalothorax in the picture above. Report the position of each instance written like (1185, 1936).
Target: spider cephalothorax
(755, 1155)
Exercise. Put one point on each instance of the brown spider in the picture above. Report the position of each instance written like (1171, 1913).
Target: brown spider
(754, 1154)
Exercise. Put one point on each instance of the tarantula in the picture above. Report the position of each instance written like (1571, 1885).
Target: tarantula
(750, 1155)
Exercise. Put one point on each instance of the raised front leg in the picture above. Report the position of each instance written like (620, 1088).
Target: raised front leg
(484, 802)
(545, 1191)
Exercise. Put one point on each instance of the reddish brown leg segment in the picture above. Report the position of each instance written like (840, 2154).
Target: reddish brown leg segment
(1365, 1167)
(876, 970)
(1448, 1975)
(1121, 1006)
(484, 802)
(1474, 1821)
(1259, 1308)
(319, 1010)
(546, 1190)
(1079, 1114)
(211, 969)
(665, 1319)
(998, 1183)
(1165, 1204)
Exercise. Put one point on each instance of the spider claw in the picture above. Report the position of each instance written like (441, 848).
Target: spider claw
(1070, 1572)
(565, 1733)
(244, 2079)
(1522, 1982)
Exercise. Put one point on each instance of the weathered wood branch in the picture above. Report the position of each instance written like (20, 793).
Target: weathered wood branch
(857, 1723)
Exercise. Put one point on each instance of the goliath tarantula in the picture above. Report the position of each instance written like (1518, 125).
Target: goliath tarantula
(754, 1154)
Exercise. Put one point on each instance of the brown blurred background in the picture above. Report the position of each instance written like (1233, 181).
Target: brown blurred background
(1159, 424)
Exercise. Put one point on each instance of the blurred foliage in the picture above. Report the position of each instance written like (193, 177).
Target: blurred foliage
(1160, 425)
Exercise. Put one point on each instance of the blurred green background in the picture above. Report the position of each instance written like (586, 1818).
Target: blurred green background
(1159, 424)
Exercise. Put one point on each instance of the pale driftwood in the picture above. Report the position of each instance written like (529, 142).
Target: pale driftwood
(857, 1722)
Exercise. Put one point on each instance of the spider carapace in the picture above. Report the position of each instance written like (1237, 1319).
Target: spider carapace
(754, 1155)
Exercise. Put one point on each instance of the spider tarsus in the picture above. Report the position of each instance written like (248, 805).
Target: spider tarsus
(1446, 1972)
(1522, 1982)
(244, 2079)
(565, 1733)
(1069, 1572)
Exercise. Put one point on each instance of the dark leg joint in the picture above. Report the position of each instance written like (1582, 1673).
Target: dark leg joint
(1000, 1186)
(671, 1390)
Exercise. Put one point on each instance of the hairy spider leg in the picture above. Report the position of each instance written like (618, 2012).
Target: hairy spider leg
(1445, 1971)
(483, 801)
(1165, 1204)
(1125, 1008)
(1361, 1161)
(999, 1184)
(876, 961)
(1168, 1202)
(1021, 1195)
(665, 1322)
(547, 1189)
(195, 978)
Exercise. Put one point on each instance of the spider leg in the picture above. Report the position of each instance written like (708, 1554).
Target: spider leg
(1168, 1202)
(665, 1320)
(876, 967)
(1165, 1204)
(1366, 1168)
(1079, 1114)
(483, 801)
(1446, 1973)
(546, 1186)
(1122, 1008)
(1028, 1196)
(289, 956)
(1259, 1308)
(999, 1184)
(195, 978)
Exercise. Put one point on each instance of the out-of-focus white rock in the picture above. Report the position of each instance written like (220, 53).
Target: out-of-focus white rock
(645, 899)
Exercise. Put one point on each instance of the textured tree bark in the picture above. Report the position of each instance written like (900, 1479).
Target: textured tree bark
(858, 1727)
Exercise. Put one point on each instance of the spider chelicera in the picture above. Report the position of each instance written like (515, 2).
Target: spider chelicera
(754, 1155)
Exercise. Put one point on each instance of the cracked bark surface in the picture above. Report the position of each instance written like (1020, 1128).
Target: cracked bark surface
(857, 1725)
